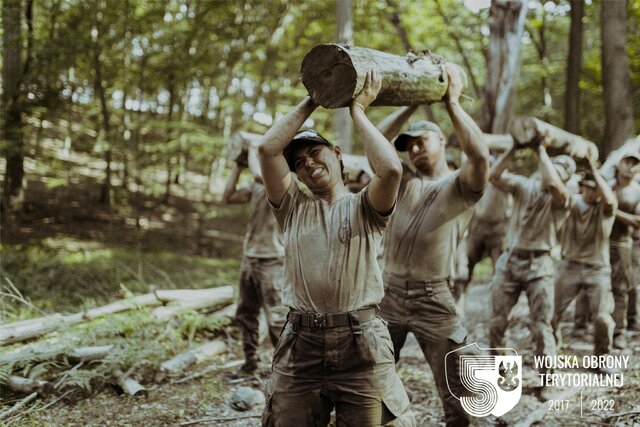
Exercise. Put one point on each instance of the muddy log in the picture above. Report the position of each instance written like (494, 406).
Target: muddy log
(496, 142)
(27, 386)
(529, 130)
(333, 74)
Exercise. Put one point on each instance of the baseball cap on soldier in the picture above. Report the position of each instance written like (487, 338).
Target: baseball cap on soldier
(309, 135)
(632, 155)
(588, 180)
(416, 129)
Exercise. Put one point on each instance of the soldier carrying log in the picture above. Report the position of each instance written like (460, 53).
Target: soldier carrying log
(334, 350)
(434, 205)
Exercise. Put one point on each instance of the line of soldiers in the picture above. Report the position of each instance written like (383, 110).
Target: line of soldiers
(335, 350)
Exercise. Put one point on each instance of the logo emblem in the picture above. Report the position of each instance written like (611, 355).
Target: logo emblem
(494, 381)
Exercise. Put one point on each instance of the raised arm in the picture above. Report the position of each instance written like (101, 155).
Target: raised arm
(383, 187)
(608, 196)
(550, 180)
(474, 173)
(231, 193)
(495, 173)
(632, 219)
(391, 125)
(275, 171)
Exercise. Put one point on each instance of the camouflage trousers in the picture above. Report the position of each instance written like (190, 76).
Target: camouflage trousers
(428, 311)
(621, 282)
(260, 283)
(531, 272)
(595, 283)
(350, 368)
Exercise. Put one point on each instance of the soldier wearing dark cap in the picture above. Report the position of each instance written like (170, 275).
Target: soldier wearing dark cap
(585, 257)
(627, 191)
(540, 207)
(434, 207)
(334, 351)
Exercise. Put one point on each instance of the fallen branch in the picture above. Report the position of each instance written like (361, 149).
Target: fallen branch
(206, 420)
(194, 356)
(87, 354)
(18, 405)
(27, 385)
(635, 411)
(216, 297)
(209, 369)
(129, 385)
(12, 333)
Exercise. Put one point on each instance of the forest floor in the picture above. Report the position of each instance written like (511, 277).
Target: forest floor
(178, 247)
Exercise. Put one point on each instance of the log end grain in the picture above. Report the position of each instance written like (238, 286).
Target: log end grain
(329, 66)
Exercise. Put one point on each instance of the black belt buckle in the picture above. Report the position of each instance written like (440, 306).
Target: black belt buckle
(318, 321)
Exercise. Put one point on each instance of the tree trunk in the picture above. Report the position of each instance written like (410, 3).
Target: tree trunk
(12, 136)
(528, 130)
(342, 124)
(574, 63)
(618, 107)
(199, 354)
(506, 21)
(334, 74)
(27, 386)
(105, 193)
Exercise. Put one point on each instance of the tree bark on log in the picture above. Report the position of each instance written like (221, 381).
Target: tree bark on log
(333, 74)
(527, 130)
(27, 386)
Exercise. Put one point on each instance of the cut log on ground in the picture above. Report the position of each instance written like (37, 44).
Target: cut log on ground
(87, 354)
(186, 295)
(333, 74)
(529, 130)
(217, 297)
(10, 334)
(27, 386)
(192, 357)
(129, 385)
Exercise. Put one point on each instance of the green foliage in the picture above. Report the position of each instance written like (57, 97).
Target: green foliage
(83, 275)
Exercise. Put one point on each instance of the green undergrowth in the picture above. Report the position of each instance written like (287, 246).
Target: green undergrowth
(67, 275)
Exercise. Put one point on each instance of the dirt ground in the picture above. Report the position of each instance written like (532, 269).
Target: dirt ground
(205, 400)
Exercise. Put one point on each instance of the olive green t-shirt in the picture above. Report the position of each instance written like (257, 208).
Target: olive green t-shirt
(263, 238)
(584, 236)
(536, 219)
(429, 220)
(330, 252)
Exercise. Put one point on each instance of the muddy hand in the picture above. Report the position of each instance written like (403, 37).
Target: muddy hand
(369, 92)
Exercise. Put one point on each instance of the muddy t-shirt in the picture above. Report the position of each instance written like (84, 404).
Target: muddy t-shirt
(584, 236)
(330, 252)
(494, 206)
(429, 220)
(621, 235)
(536, 218)
(263, 238)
